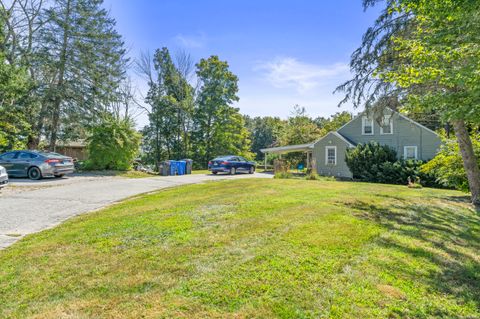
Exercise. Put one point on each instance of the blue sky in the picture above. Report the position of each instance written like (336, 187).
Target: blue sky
(284, 52)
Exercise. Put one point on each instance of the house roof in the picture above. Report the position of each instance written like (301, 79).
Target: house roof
(340, 136)
(395, 112)
(288, 148)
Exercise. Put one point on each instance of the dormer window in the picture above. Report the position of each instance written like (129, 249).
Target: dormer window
(386, 126)
(367, 126)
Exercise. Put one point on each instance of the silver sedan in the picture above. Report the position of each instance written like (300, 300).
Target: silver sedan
(3, 177)
(36, 164)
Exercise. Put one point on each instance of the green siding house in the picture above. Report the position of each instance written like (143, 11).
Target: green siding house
(410, 139)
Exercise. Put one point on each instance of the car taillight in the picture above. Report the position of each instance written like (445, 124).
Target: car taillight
(210, 163)
(52, 160)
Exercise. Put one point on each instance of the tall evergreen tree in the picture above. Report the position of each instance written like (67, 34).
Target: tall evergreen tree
(219, 127)
(83, 58)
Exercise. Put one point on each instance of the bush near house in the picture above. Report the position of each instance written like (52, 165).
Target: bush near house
(113, 145)
(447, 166)
(377, 163)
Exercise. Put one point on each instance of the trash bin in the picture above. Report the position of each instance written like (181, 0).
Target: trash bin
(164, 168)
(173, 168)
(188, 165)
(181, 167)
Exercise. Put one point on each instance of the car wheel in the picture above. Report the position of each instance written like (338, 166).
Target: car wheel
(233, 171)
(252, 170)
(34, 173)
(214, 173)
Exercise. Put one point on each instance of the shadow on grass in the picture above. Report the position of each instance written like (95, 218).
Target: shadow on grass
(444, 237)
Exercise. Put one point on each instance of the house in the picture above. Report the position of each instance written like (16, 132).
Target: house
(74, 149)
(410, 139)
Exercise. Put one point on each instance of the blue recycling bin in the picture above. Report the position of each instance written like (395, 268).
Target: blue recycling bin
(173, 168)
(181, 167)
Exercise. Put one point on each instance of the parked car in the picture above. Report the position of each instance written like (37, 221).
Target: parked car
(231, 164)
(36, 164)
(3, 177)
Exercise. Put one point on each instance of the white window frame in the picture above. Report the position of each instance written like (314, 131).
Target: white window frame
(387, 118)
(326, 154)
(407, 147)
(363, 126)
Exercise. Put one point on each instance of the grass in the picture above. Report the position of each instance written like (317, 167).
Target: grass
(255, 248)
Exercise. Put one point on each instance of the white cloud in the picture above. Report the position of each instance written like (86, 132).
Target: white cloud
(195, 41)
(289, 72)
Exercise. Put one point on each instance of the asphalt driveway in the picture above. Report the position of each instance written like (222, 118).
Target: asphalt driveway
(30, 206)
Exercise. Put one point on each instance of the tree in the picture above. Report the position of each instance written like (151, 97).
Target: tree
(447, 165)
(422, 55)
(14, 86)
(113, 144)
(334, 122)
(264, 132)
(83, 60)
(219, 129)
(171, 98)
(300, 128)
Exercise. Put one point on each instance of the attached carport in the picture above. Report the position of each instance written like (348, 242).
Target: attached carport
(305, 148)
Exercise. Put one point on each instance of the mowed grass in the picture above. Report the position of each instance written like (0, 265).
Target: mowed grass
(255, 248)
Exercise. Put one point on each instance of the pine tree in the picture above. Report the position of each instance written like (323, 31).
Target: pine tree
(83, 61)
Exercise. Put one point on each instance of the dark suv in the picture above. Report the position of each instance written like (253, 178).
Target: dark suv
(231, 164)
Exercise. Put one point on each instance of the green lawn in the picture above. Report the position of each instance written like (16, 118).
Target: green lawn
(255, 248)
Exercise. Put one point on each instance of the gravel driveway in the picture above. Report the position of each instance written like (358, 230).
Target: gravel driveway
(30, 206)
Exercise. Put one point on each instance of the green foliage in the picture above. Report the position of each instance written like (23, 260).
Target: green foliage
(313, 176)
(218, 127)
(172, 105)
(283, 175)
(113, 145)
(14, 86)
(447, 166)
(334, 122)
(365, 160)
(377, 163)
(264, 132)
(300, 128)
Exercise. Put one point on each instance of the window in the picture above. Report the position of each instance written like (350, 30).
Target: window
(331, 155)
(386, 126)
(367, 126)
(410, 152)
(26, 156)
(8, 156)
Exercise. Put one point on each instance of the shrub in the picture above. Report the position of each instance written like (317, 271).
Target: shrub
(113, 144)
(379, 164)
(365, 160)
(312, 176)
(283, 175)
(447, 166)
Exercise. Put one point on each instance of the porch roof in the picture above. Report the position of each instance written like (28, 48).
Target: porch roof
(288, 149)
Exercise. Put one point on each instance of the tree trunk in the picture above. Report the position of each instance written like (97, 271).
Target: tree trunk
(470, 162)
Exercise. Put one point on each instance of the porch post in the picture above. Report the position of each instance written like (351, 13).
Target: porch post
(266, 161)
